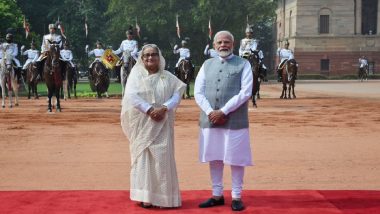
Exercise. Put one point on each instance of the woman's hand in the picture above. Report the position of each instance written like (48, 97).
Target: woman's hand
(157, 114)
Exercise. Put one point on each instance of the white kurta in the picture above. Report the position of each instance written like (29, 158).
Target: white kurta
(230, 146)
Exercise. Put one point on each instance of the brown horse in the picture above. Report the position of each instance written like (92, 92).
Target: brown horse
(254, 60)
(185, 74)
(99, 78)
(289, 76)
(52, 71)
(363, 73)
(32, 79)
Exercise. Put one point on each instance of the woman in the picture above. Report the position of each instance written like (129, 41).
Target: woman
(147, 118)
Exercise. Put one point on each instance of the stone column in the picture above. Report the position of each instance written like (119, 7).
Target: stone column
(359, 17)
(378, 18)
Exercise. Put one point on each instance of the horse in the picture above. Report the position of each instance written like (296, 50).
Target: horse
(69, 80)
(99, 79)
(185, 74)
(52, 72)
(32, 79)
(8, 78)
(289, 76)
(363, 73)
(127, 63)
(254, 60)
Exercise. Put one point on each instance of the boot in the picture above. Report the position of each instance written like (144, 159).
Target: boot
(18, 75)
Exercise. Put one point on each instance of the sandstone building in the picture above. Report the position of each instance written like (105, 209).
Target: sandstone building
(328, 36)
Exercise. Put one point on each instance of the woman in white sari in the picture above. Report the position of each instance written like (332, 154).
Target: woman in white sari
(151, 97)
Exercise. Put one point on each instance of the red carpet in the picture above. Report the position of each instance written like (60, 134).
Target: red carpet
(256, 201)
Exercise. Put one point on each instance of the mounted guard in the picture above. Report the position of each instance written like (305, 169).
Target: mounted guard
(12, 49)
(285, 54)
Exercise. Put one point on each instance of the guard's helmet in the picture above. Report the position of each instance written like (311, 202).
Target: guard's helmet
(184, 42)
(99, 43)
(129, 32)
(286, 42)
(248, 29)
(52, 26)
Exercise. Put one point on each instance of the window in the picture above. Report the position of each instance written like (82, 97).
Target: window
(324, 24)
(325, 64)
(369, 17)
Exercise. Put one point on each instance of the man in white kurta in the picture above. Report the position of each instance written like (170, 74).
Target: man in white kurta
(220, 144)
(153, 170)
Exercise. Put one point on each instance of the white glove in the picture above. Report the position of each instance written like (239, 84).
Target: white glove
(207, 46)
(22, 47)
(175, 47)
(87, 48)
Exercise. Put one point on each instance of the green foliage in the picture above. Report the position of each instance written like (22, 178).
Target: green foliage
(109, 19)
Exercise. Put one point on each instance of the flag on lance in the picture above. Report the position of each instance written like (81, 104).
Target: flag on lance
(137, 28)
(26, 27)
(209, 29)
(177, 26)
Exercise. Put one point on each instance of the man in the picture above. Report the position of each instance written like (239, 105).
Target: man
(49, 38)
(97, 52)
(12, 49)
(184, 54)
(363, 63)
(128, 45)
(222, 90)
(248, 44)
(67, 55)
(210, 52)
(32, 55)
(284, 54)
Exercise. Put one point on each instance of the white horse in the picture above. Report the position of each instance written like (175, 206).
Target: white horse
(127, 63)
(8, 78)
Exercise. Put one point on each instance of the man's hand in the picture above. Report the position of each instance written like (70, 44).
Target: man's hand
(217, 117)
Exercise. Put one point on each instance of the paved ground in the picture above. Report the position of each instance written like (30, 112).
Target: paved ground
(327, 138)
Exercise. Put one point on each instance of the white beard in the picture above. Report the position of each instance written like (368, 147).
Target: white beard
(224, 54)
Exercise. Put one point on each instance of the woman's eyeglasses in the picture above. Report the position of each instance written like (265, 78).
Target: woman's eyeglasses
(147, 55)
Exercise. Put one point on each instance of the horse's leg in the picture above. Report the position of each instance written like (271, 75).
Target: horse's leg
(2, 92)
(57, 96)
(30, 88)
(50, 95)
(258, 88)
(15, 89)
(75, 88)
(188, 90)
(10, 91)
(293, 86)
(64, 90)
(283, 94)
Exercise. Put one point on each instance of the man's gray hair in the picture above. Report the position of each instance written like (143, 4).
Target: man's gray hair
(228, 33)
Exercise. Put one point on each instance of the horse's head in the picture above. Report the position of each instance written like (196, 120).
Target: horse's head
(254, 60)
(292, 68)
(54, 53)
(7, 60)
